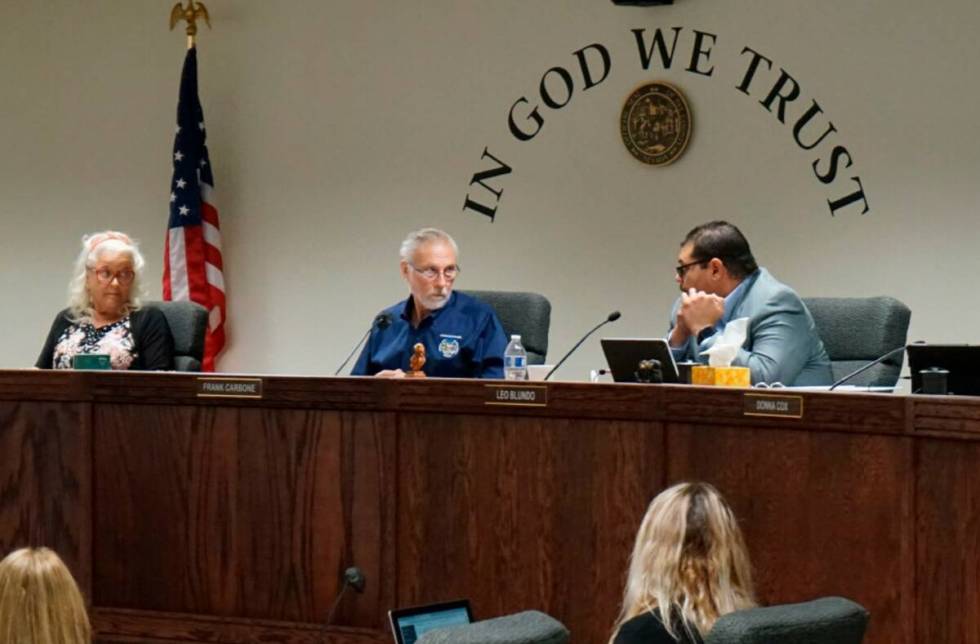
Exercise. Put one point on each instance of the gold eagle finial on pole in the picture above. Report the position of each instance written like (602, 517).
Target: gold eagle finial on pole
(190, 14)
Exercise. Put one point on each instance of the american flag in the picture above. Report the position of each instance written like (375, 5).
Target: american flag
(192, 266)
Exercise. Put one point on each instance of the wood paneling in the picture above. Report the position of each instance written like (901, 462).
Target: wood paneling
(45, 481)
(519, 513)
(242, 512)
(947, 523)
(226, 520)
(122, 625)
(823, 513)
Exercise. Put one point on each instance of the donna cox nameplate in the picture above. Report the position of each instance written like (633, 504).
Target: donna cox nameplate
(217, 387)
(775, 405)
(517, 395)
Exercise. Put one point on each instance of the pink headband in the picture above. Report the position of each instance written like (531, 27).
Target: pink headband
(95, 240)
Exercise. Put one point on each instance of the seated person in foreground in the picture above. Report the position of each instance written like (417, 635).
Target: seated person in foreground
(104, 314)
(720, 282)
(462, 336)
(688, 568)
(40, 601)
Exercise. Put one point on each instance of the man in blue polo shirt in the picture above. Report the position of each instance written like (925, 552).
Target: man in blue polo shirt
(462, 336)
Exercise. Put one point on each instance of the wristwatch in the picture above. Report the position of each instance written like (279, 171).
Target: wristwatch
(705, 333)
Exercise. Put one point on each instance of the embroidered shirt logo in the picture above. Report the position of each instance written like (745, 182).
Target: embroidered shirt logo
(449, 347)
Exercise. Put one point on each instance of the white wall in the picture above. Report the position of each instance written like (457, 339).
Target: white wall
(337, 126)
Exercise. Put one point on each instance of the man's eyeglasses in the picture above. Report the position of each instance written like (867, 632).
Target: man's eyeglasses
(105, 276)
(449, 273)
(682, 269)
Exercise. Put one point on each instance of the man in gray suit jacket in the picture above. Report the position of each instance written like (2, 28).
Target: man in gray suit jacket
(720, 281)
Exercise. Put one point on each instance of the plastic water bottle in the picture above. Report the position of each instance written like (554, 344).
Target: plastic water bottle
(515, 360)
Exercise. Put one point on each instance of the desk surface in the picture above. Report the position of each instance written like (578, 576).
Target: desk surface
(222, 519)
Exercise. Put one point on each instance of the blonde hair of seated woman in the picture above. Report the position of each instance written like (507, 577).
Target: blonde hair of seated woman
(40, 603)
(689, 562)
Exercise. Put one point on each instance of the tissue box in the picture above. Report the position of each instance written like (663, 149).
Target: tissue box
(721, 376)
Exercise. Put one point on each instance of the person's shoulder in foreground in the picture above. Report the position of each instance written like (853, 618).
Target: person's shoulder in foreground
(648, 628)
(462, 336)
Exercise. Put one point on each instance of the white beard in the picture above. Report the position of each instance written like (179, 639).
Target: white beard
(435, 302)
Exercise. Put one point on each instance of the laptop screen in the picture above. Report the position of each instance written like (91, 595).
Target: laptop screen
(960, 360)
(625, 354)
(408, 624)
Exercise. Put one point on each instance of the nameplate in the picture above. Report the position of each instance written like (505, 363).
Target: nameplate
(517, 395)
(773, 405)
(229, 387)
(91, 362)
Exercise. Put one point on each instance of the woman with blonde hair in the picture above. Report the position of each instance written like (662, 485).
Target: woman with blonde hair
(104, 314)
(688, 568)
(39, 600)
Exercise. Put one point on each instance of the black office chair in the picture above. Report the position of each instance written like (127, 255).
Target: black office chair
(828, 620)
(857, 330)
(529, 627)
(188, 323)
(525, 314)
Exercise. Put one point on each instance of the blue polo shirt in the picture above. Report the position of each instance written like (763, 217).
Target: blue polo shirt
(463, 339)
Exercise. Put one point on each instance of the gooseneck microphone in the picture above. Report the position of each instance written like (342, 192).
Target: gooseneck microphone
(612, 317)
(382, 321)
(353, 578)
(864, 368)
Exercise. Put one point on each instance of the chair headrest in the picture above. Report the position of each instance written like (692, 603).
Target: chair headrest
(529, 627)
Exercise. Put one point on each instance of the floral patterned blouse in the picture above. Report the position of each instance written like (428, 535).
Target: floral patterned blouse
(114, 340)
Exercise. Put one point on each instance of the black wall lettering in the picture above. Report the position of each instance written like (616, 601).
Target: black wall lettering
(546, 96)
(700, 52)
(469, 204)
(587, 71)
(777, 93)
(518, 133)
(836, 155)
(812, 129)
(750, 72)
(481, 179)
(802, 123)
(857, 195)
(646, 53)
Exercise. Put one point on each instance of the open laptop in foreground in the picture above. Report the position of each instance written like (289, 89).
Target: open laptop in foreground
(409, 624)
(624, 354)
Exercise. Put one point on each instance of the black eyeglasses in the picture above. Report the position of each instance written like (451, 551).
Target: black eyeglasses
(683, 267)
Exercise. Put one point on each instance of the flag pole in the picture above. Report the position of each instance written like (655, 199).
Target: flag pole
(190, 14)
(193, 268)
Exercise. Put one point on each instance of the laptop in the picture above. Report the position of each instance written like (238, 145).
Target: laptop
(960, 360)
(624, 354)
(408, 624)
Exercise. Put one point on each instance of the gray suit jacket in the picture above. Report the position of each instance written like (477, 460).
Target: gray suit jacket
(782, 343)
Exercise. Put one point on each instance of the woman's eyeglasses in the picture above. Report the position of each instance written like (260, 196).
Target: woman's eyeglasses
(105, 276)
